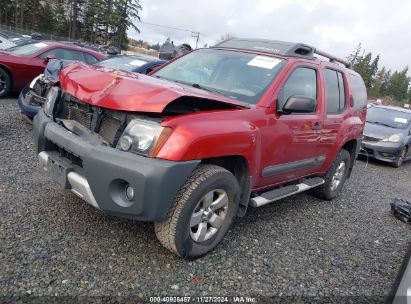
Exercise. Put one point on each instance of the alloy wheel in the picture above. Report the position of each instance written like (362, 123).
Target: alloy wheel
(3, 83)
(338, 176)
(209, 215)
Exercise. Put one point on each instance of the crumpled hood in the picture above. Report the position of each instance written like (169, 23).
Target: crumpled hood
(120, 90)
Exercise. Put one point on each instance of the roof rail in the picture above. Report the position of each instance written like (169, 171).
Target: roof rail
(333, 58)
(301, 50)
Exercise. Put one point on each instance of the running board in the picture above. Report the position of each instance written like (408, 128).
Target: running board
(279, 193)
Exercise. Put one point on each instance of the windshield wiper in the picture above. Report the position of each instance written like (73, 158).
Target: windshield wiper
(380, 123)
(197, 86)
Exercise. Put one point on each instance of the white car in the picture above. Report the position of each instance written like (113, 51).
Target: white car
(5, 43)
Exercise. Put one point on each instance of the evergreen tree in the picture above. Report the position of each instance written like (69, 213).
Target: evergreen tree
(375, 90)
(398, 85)
(97, 21)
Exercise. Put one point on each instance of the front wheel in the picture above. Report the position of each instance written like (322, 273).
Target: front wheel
(400, 159)
(5, 83)
(201, 214)
(335, 177)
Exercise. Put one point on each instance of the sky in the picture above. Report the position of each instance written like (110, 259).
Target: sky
(333, 26)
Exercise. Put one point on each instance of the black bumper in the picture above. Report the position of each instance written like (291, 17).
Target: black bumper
(387, 152)
(106, 171)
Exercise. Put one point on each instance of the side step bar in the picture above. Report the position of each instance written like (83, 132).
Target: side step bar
(279, 193)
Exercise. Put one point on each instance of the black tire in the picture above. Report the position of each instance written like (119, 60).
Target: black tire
(174, 233)
(400, 159)
(325, 191)
(5, 83)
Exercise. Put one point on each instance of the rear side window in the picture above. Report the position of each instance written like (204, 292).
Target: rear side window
(64, 54)
(359, 92)
(335, 91)
(302, 82)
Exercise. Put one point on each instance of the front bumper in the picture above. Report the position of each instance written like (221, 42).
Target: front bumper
(384, 151)
(24, 103)
(100, 173)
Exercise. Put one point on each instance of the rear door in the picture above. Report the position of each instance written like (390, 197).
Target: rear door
(336, 108)
(290, 142)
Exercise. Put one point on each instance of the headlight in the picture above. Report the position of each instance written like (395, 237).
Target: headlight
(51, 98)
(33, 82)
(143, 137)
(392, 138)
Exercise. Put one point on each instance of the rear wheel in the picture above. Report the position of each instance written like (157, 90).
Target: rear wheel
(201, 214)
(5, 83)
(335, 177)
(400, 159)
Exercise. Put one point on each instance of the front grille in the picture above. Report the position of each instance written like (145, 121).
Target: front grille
(80, 115)
(104, 122)
(369, 138)
(108, 128)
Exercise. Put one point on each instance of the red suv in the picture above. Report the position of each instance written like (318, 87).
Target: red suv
(192, 146)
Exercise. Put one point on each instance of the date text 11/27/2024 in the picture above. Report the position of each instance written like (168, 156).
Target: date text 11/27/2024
(205, 299)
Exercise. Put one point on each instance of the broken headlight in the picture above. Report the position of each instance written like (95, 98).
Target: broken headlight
(50, 100)
(33, 82)
(143, 137)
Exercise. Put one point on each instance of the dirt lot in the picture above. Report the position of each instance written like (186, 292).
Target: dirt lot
(52, 243)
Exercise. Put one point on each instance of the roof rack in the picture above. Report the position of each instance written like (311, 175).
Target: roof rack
(279, 47)
(332, 58)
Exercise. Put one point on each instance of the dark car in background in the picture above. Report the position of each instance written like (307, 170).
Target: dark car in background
(32, 97)
(133, 63)
(20, 64)
(387, 134)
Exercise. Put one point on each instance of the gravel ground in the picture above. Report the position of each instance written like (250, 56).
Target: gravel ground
(53, 243)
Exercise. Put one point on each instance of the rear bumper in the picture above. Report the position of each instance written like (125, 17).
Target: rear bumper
(101, 174)
(387, 152)
(24, 104)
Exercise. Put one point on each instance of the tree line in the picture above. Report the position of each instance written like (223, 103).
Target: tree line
(95, 21)
(381, 82)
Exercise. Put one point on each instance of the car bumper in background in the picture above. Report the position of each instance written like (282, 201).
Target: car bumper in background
(24, 103)
(100, 174)
(387, 152)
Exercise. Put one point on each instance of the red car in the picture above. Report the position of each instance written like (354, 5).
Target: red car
(21, 64)
(208, 135)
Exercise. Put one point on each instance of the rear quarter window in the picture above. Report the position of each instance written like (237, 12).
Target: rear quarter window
(359, 92)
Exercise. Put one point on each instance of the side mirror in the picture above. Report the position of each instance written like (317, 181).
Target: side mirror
(299, 104)
(48, 58)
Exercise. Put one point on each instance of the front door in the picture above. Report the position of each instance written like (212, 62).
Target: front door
(290, 141)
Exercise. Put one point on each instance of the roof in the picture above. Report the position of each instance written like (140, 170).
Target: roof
(72, 46)
(283, 48)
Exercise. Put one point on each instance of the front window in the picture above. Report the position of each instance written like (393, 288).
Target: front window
(241, 76)
(27, 49)
(388, 117)
(302, 82)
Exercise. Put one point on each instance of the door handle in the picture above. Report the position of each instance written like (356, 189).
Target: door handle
(316, 126)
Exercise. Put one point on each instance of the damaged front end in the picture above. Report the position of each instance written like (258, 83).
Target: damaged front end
(32, 97)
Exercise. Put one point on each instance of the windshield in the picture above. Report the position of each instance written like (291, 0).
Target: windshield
(388, 117)
(27, 49)
(241, 76)
(124, 63)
